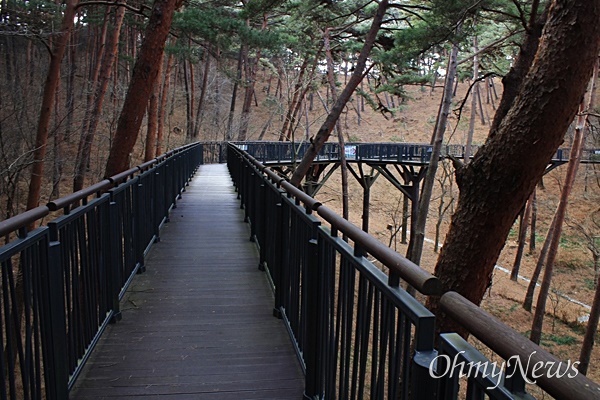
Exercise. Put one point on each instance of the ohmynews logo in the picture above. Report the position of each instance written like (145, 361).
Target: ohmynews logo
(485, 369)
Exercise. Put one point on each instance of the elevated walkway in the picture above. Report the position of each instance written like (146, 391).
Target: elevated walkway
(198, 323)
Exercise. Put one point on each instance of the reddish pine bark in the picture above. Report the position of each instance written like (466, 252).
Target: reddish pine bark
(50, 87)
(163, 106)
(150, 150)
(94, 110)
(141, 85)
(504, 172)
(203, 90)
(561, 211)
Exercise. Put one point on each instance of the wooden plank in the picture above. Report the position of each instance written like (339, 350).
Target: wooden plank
(198, 323)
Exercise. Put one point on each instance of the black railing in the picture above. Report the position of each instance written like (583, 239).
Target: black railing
(357, 333)
(61, 283)
(418, 153)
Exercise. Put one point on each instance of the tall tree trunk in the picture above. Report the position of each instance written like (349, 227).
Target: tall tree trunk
(142, 83)
(50, 87)
(95, 110)
(474, 93)
(70, 95)
(248, 91)
(305, 87)
(58, 139)
(523, 223)
(590, 333)
(513, 79)
(151, 133)
(342, 146)
(188, 79)
(415, 245)
(357, 76)
(250, 72)
(217, 105)
(229, 132)
(163, 106)
(575, 157)
(532, 232)
(288, 120)
(98, 57)
(503, 173)
(528, 302)
(572, 166)
(203, 90)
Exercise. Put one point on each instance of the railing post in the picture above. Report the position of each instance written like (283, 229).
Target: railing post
(139, 222)
(424, 385)
(514, 381)
(281, 244)
(157, 211)
(313, 384)
(260, 219)
(54, 323)
(114, 264)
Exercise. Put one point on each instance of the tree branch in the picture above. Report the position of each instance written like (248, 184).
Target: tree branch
(521, 15)
(115, 4)
(458, 111)
(470, 56)
(506, 14)
(533, 15)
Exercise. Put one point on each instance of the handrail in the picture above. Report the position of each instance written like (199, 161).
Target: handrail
(356, 332)
(21, 220)
(381, 151)
(27, 217)
(76, 268)
(256, 182)
(73, 198)
(417, 277)
(508, 343)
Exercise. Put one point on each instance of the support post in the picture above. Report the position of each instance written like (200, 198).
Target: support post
(139, 222)
(281, 245)
(368, 182)
(114, 273)
(312, 388)
(54, 322)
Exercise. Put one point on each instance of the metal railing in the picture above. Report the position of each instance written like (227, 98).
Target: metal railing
(61, 283)
(357, 333)
(352, 328)
(419, 153)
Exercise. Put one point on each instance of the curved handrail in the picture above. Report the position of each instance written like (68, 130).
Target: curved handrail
(509, 343)
(73, 198)
(417, 277)
(24, 219)
(28, 217)
(493, 333)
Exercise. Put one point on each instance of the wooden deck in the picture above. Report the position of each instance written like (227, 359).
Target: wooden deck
(198, 323)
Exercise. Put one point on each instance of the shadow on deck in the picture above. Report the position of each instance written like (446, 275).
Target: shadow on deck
(198, 323)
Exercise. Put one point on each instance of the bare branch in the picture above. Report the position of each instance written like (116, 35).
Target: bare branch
(458, 111)
(494, 43)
